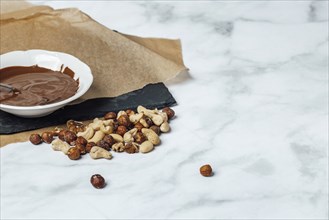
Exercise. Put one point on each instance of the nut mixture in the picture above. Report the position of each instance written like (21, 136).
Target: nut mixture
(125, 131)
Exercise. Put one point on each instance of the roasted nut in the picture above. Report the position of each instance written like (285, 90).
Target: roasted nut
(170, 113)
(130, 112)
(121, 113)
(81, 140)
(156, 129)
(139, 137)
(109, 139)
(146, 147)
(165, 127)
(87, 134)
(124, 120)
(97, 137)
(47, 137)
(82, 148)
(98, 152)
(61, 134)
(59, 145)
(56, 131)
(151, 136)
(89, 146)
(121, 130)
(129, 135)
(206, 170)
(73, 153)
(139, 126)
(73, 128)
(118, 147)
(148, 121)
(110, 115)
(103, 144)
(97, 181)
(70, 137)
(117, 138)
(35, 139)
(131, 148)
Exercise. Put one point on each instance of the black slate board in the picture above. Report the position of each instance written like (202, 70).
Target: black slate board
(151, 96)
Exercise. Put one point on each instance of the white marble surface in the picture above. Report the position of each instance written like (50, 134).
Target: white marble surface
(255, 108)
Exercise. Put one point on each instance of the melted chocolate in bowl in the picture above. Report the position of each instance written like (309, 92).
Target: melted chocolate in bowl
(36, 85)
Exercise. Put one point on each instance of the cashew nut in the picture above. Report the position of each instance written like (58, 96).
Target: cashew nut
(87, 134)
(165, 127)
(146, 147)
(129, 135)
(98, 152)
(96, 124)
(109, 122)
(118, 147)
(59, 145)
(153, 114)
(144, 123)
(121, 113)
(97, 137)
(135, 117)
(117, 137)
(151, 136)
(106, 129)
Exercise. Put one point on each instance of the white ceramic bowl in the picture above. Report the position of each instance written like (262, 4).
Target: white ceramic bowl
(51, 60)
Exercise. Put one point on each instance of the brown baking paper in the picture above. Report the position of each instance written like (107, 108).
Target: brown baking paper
(120, 63)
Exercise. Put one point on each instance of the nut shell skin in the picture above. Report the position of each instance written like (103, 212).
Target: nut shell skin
(121, 130)
(103, 144)
(89, 146)
(73, 153)
(61, 135)
(206, 170)
(70, 137)
(47, 137)
(124, 120)
(109, 139)
(81, 140)
(35, 139)
(97, 181)
(170, 113)
(110, 115)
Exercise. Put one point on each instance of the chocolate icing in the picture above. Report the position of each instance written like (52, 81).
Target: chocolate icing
(36, 85)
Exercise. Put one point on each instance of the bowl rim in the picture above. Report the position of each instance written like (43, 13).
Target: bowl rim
(86, 84)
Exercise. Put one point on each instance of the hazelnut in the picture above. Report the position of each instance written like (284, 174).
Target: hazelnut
(124, 120)
(121, 130)
(73, 128)
(35, 139)
(81, 140)
(206, 170)
(81, 148)
(110, 115)
(61, 134)
(139, 137)
(89, 146)
(47, 137)
(156, 129)
(56, 131)
(109, 139)
(139, 126)
(103, 144)
(131, 148)
(73, 153)
(170, 113)
(130, 112)
(97, 181)
(148, 121)
(70, 137)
